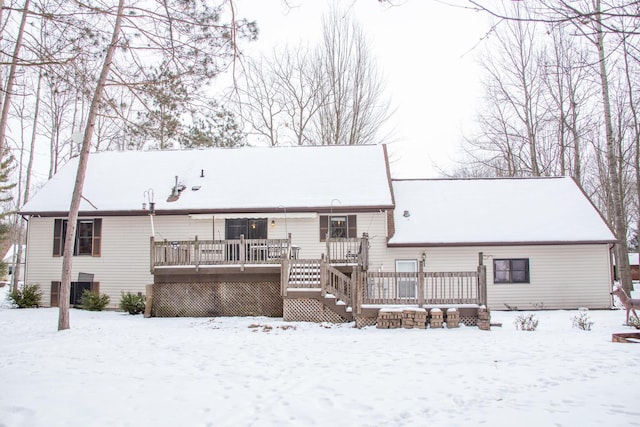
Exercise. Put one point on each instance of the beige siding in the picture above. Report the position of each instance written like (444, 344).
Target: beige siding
(124, 264)
(561, 276)
(305, 233)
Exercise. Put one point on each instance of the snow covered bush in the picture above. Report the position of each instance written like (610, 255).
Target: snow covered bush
(526, 322)
(582, 321)
(93, 301)
(132, 303)
(27, 297)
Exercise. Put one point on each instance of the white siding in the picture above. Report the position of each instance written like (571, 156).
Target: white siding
(561, 276)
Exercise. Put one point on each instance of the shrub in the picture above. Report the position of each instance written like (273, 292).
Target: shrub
(93, 301)
(132, 303)
(526, 322)
(582, 321)
(28, 297)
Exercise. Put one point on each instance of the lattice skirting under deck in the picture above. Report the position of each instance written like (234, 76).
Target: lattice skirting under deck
(469, 320)
(309, 310)
(216, 299)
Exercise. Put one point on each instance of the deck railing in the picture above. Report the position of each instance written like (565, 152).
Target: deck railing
(219, 252)
(348, 250)
(336, 283)
(421, 288)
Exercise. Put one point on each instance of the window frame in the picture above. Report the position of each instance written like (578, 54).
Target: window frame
(350, 227)
(82, 241)
(510, 271)
(407, 284)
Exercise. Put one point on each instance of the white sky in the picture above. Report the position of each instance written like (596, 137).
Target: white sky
(425, 51)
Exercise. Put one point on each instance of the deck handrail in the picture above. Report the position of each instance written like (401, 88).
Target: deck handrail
(337, 283)
(219, 252)
(348, 250)
(421, 288)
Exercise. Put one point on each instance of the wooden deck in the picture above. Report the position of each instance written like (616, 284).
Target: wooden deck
(369, 291)
(340, 276)
(255, 252)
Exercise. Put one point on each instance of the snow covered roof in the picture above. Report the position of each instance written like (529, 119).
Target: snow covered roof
(225, 179)
(485, 211)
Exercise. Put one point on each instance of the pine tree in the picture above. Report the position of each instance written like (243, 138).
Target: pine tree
(6, 196)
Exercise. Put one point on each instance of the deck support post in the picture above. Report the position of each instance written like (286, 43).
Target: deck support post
(284, 277)
(242, 253)
(364, 251)
(358, 291)
(482, 280)
(196, 253)
(420, 283)
(149, 300)
(152, 255)
(323, 275)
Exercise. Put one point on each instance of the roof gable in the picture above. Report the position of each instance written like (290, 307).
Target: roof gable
(227, 179)
(485, 211)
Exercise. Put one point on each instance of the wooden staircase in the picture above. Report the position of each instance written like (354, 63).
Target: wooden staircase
(305, 280)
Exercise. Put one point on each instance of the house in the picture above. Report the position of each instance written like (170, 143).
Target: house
(13, 263)
(635, 266)
(315, 233)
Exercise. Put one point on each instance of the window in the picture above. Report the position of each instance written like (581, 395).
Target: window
(75, 292)
(250, 228)
(337, 226)
(407, 286)
(511, 270)
(88, 237)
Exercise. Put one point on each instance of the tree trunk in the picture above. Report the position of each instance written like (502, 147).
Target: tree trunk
(6, 104)
(67, 260)
(620, 228)
(27, 182)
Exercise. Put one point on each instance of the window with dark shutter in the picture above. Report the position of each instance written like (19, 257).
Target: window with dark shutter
(55, 294)
(338, 226)
(352, 229)
(324, 227)
(97, 237)
(88, 238)
(58, 237)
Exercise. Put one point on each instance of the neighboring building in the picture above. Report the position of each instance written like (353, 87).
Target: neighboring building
(315, 233)
(635, 266)
(13, 263)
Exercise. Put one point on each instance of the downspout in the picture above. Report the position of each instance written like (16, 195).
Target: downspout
(26, 251)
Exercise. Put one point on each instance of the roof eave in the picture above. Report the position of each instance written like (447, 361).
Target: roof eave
(514, 243)
(141, 212)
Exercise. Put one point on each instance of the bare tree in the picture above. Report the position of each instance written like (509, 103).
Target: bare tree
(354, 107)
(185, 39)
(325, 95)
(8, 90)
(594, 22)
(259, 101)
(516, 111)
(67, 260)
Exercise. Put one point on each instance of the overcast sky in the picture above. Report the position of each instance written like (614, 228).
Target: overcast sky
(427, 51)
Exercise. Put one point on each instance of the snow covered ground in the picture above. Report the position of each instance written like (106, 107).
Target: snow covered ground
(112, 369)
